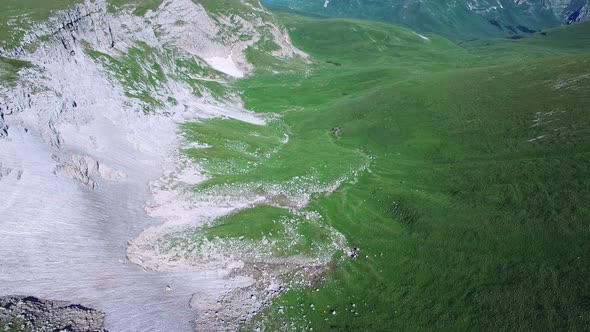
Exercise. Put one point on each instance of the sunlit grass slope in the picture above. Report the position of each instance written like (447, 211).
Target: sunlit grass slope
(473, 214)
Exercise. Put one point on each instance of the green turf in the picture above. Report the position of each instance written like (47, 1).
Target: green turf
(9, 69)
(460, 171)
(473, 215)
(282, 232)
(233, 146)
(252, 224)
(291, 234)
(140, 7)
(13, 326)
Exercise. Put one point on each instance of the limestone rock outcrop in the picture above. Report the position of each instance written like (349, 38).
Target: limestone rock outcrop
(33, 314)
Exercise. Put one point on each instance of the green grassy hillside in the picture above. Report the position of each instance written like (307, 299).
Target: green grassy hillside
(473, 212)
(461, 172)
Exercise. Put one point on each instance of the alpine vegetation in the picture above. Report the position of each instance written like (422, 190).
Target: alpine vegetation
(229, 165)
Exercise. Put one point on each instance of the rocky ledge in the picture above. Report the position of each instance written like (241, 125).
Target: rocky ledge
(27, 313)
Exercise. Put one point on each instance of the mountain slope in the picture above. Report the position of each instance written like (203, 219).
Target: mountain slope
(93, 163)
(181, 165)
(458, 20)
(471, 214)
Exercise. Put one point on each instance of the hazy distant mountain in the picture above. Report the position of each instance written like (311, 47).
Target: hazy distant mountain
(455, 19)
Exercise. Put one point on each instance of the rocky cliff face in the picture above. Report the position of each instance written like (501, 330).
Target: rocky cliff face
(90, 103)
(87, 62)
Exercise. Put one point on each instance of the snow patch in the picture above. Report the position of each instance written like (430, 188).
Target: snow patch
(423, 37)
(225, 65)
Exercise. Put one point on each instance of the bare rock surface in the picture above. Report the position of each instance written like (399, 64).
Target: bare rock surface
(84, 169)
(33, 314)
(78, 154)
